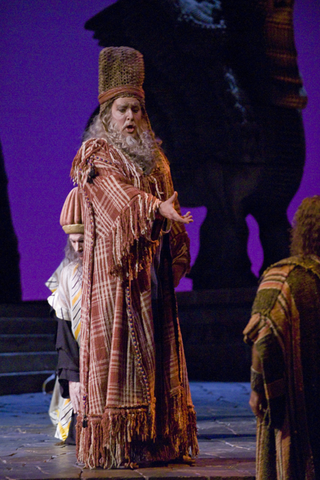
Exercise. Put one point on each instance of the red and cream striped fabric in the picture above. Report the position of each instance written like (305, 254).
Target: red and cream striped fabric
(136, 398)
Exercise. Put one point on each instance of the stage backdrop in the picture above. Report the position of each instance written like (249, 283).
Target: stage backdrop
(49, 78)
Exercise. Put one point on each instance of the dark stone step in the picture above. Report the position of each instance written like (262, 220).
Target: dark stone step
(38, 308)
(224, 297)
(22, 382)
(212, 322)
(221, 362)
(27, 325)
(27, 362)
(27, 343)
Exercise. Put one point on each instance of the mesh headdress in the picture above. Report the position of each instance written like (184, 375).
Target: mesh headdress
(121, 71)
(71, 213)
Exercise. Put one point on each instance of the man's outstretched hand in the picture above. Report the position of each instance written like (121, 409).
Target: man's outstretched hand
(74, 391)
(168, 211)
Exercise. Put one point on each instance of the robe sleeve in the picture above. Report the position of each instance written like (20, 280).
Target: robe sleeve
(68, 357)
(179, 238)
(124, 212)
(60, 300)
(53, 281)
(180, 245)
(261, 332)
(66, 345)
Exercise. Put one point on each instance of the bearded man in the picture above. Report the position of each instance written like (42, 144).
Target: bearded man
(65, 301)
(136, 399)
(284, 332)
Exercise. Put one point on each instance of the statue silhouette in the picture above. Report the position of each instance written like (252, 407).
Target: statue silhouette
(224, 94)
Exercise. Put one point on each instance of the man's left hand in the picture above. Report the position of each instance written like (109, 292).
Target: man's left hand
(167, 210)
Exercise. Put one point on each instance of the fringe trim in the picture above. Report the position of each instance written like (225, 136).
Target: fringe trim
(124, 435)
(133, 250)
(120, 428)
(89, 443)
(80, 167)
(106, 441)
(192, 432)
(182, 426)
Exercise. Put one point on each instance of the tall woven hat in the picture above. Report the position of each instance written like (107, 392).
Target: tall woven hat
(121, 71)
(71, 213)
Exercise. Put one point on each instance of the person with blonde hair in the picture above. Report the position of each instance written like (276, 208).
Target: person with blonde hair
(284, 331)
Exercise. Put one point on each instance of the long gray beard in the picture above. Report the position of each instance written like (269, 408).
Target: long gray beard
(142, 151)
(71, 254)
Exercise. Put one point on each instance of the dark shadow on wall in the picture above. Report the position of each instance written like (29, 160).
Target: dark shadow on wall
(10, 286)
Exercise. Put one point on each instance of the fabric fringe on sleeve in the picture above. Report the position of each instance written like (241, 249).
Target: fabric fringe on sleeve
(132, 247)
(80, 166)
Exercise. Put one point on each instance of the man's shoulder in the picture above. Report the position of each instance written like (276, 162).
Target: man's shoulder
(99, 149)
(272, 285)
(94, 145)
(279, 269)
(70, 269)
(278, 279)
(289, 266)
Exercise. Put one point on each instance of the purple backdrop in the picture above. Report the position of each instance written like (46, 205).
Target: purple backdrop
(49, 88)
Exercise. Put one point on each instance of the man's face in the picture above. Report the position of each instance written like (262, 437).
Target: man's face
(126, 114)
(76, 240)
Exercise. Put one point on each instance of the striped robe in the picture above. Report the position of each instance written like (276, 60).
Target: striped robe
(136, 399)
(285, 328)
(60, 412)
(53, 282)
(66, 299)
(65, 285)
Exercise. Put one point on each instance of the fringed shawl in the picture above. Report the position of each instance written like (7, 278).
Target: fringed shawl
(133, 410)
(287, 298)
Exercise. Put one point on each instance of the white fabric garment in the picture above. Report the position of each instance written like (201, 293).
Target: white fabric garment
(66, 299)
(65, 285)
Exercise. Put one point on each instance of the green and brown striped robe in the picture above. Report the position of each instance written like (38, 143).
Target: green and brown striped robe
(285, 329)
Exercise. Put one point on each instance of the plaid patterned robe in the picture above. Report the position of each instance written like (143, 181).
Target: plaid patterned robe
(285, 328)
(136, 398)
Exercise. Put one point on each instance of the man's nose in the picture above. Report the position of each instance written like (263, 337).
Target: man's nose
(129, 113)
(78, 247)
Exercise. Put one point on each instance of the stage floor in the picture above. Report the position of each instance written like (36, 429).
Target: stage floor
(226, 432)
